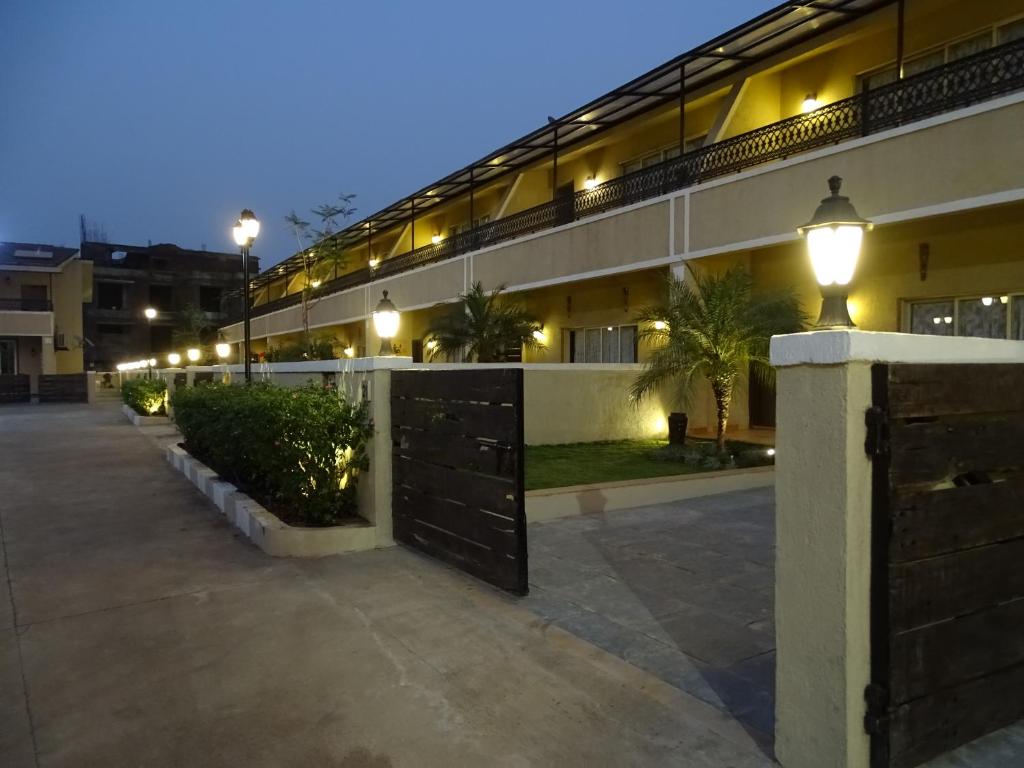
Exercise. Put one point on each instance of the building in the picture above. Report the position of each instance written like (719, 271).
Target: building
(715, 158)
(42, 292)
(174, 281)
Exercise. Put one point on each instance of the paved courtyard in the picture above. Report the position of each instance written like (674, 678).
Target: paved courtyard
(137, 629)
(682, 590)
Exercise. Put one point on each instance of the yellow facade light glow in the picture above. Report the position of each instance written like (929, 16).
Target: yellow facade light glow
(431, 344)
(810, 103)
(314, 283)
(150, 313)
(660, 325)
(193, 354)
(374, 262)
(174, 358)
(540, 336)
(435, 239)
(223, 350)
(349, 352)
(770, 452)
(590, 183)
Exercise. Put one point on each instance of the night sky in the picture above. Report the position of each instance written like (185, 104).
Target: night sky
(160, 121)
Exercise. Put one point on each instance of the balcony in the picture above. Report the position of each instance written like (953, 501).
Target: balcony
(26, 317)
(986, 75)
(26, 305)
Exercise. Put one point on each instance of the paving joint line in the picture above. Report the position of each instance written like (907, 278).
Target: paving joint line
(17, 644)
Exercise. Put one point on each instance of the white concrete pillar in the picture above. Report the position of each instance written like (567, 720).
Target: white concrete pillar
(823, 531)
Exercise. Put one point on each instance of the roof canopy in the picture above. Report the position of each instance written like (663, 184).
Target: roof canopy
(775, 30)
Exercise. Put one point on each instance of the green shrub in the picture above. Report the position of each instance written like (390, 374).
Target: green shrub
(296, 451)
(320, 348)
(146, 396)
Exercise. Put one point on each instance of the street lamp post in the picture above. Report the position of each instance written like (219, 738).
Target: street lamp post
(150, 314)
(385, 323)
(245, 231)
(834, 236)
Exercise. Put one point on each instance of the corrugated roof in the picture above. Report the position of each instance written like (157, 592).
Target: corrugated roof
(775, 30)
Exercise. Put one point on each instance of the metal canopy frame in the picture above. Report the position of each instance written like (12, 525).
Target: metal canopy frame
(782, 27)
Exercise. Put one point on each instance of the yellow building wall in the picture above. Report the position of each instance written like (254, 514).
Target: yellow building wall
(977, 253)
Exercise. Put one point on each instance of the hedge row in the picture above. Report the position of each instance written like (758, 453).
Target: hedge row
(146, 396)
(296, 451)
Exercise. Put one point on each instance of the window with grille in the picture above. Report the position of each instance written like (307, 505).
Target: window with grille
(608, 344)
(987, 317)
(1005, 32)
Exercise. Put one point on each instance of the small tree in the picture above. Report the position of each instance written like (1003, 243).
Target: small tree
(322, 255)
(193, 329)
(716, 327)
(484, 326)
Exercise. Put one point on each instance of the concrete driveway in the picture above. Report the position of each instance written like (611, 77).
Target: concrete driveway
(137, 629)
(684, 591)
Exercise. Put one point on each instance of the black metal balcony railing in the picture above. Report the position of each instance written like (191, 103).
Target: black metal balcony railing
(26, 305)
(983, 76)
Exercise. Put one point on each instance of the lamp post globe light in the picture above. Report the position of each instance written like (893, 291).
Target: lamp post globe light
(174, 359)
(385, 323)
(223, 350)
(246, 230)
(150, 314)
(834, 237)
(193, 355)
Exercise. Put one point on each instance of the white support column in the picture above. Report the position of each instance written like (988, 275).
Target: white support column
(823, 530)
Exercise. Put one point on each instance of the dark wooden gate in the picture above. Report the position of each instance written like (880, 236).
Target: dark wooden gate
(457, 468)
(63, 388)
(947, 594)
(15, 388)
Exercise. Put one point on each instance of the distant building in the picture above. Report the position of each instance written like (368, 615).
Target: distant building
(127, 279)
(42, 291)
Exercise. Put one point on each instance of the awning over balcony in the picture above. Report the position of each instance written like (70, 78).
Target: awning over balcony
(776, 30)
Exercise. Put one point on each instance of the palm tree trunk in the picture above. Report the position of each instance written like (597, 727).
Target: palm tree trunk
(722, 391)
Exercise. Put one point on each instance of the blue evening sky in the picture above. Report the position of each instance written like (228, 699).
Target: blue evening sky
(161, 120)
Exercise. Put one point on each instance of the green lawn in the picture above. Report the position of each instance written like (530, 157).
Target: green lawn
(557, 466)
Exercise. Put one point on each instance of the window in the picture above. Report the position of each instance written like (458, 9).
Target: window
(109, 296)
(987, 317)
(611, 344)
(1007, 33)
(944, 54)
(667, 153)
(209, 298)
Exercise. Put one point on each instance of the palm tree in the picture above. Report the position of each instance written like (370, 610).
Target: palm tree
(716, 327)
(483, 326)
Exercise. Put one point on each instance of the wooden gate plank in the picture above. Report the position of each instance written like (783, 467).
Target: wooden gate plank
(933, 390)
(934, 451)
(495, 532)
(468, 453)
(931, 523)
(939, 588)
(479, 491)
(935, 724)
(470, 419)
(486, 385)
(950, 653)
